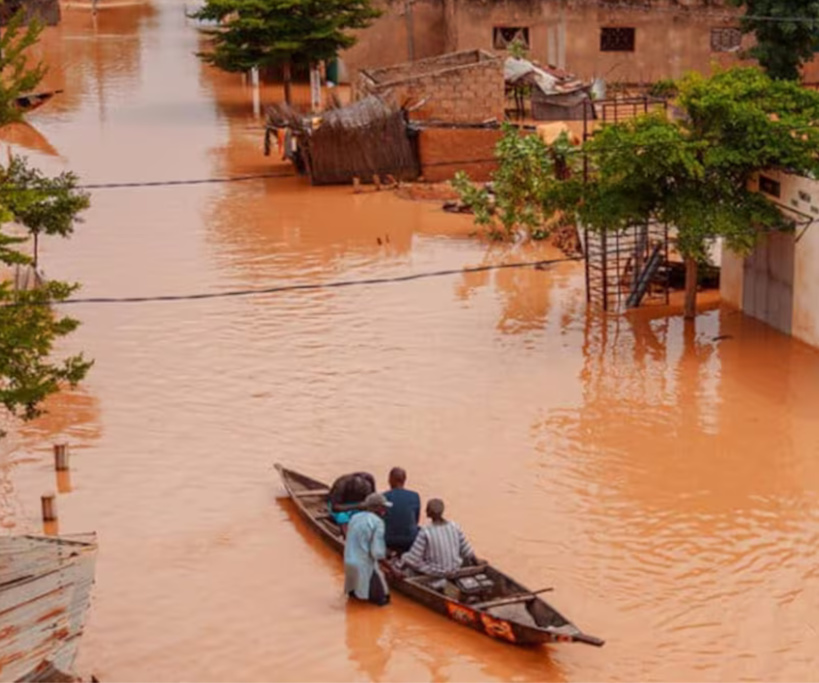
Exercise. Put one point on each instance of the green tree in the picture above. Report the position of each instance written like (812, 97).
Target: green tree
(693, 173)
(265, 33)
(17, 77)
(526, 191)
(786, 32)
(42, 205)
(29, 326)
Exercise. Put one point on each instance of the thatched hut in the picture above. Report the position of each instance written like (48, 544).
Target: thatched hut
(365, 139)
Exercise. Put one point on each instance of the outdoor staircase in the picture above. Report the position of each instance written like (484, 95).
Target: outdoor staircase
(625, 267)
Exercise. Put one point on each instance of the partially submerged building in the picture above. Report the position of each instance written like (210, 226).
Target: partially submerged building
(368, 138)
(778, 282)
(456, 102)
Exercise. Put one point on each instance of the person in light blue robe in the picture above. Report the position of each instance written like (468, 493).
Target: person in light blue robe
(363, 549)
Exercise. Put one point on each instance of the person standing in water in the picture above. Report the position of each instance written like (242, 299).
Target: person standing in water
(364, 549)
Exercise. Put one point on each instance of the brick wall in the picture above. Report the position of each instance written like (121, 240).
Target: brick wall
(465, 94)
(444, 151)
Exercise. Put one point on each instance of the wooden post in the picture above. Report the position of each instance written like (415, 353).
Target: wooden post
(315, 88)
(49, 505)
(410, 30)
(254, 82)
(63, 481)
(60, 457)
(288, 82)
(690, 306)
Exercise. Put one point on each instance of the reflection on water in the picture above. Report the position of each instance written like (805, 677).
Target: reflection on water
(663, 481)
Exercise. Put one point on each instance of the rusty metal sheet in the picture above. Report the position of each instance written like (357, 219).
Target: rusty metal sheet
(45, 587)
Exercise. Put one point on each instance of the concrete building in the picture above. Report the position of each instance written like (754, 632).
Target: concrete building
(779, 282)
(625, 41)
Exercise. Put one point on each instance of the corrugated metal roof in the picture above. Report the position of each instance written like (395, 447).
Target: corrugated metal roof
(45, 586)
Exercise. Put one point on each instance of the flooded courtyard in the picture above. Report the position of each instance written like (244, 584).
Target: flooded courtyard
(663, 478)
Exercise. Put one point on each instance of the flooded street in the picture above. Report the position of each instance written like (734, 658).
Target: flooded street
(665, 481)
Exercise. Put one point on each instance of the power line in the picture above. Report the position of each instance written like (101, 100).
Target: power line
(193, 181)
(309, 286)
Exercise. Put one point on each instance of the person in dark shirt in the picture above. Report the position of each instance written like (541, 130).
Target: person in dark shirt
(402, 518)
(346, 495)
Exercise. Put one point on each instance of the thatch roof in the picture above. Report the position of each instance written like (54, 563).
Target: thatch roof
(363, 139)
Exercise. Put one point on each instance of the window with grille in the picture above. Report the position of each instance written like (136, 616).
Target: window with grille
(770, 186)
(725, 39)
(504, 36)
(617, 39)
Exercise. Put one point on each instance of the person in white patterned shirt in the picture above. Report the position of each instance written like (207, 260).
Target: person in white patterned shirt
(440, 547)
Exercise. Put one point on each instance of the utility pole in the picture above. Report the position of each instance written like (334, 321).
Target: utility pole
(561, 36)
(410, 31)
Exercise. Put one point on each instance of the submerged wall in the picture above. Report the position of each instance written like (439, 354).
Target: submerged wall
(779, 282)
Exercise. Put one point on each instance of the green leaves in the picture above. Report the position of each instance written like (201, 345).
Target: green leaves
(28, 330)
(29, 327)
(16, 76)
(786, 32)
(526, 189)
(41, 204)
(692, 173)
(276, 32)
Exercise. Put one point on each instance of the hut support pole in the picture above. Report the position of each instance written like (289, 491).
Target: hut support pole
(410, 30)
(254, 82)
(315, 88)
(288, 96)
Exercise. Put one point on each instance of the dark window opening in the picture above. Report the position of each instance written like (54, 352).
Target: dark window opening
(504, 36)
(725, 39)
(769, 186)
(617, 39)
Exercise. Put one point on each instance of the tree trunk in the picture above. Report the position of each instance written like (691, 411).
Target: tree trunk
(288, 81)
(36, 249)
(690, 288)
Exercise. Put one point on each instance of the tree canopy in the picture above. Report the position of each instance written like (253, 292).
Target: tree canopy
(29, 326)
(692, 173)
(43, 205)
(786, 32)
(265, 33)
(17, 76)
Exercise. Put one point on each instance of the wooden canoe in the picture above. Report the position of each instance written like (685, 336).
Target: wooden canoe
(482, 598)
(27, 103)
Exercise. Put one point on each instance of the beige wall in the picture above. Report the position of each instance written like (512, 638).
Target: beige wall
(800, 194)
(385, 42)
(731, 278)
(671, 38)
(668, 40)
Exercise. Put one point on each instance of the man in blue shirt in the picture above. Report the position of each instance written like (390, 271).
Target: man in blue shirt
(402, 518)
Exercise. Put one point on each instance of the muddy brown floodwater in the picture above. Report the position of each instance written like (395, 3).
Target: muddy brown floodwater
(663, 480)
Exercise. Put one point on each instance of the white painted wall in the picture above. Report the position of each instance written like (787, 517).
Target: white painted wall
(800, 194)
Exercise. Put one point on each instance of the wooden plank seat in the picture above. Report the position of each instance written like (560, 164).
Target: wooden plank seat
(311, 492)
(508, 599)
